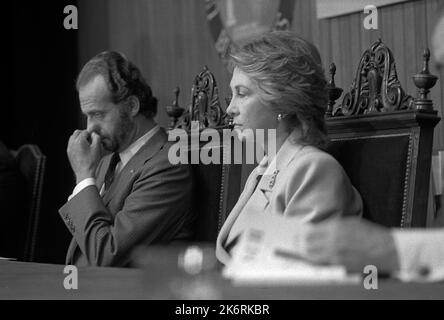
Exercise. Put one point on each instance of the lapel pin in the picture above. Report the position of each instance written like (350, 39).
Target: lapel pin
(273, 179)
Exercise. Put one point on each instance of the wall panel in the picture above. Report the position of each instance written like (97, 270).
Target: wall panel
(170, 41)
(405, 27)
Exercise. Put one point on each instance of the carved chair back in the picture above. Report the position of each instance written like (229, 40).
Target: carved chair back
(216, 185)
(383, 138)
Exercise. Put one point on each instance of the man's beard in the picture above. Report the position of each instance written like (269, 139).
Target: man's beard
(123, 130)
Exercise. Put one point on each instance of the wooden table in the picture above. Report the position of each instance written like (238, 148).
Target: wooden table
(161, 279)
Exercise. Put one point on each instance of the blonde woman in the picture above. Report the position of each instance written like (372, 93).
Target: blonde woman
(278, 83)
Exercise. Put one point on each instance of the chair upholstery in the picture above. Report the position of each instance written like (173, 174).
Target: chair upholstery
(31, 163)
(216, 186)
(383, 138)
(216, 190)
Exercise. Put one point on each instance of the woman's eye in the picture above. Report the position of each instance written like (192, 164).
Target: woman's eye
(241, 94)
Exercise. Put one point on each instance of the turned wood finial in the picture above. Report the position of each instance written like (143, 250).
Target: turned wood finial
(426, 59)
(424, 81)
(176, 92)
(174, 111)
(333, 92)
(332, 73)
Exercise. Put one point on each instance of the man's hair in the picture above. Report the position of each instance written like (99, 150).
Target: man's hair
(289, 74)
(123, 79)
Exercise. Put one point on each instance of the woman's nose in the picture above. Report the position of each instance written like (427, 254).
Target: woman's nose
(232, 109)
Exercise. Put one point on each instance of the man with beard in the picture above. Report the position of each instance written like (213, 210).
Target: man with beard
(133, 195)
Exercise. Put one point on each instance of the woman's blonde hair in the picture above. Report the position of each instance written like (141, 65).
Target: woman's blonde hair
(289, 73)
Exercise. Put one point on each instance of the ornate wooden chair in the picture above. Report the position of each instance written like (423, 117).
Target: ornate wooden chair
(216, 185)
(383, 138)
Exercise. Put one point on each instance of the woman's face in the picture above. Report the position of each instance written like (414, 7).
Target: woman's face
(246, 107)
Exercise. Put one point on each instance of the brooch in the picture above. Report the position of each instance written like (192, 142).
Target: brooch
(273, 179)
(267, 181)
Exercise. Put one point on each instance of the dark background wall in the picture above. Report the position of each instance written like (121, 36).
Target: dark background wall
(168, 39)
(171, 42)
(39, 102)
(406, 28)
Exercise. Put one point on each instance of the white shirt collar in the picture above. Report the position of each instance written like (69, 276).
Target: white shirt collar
(128, 153)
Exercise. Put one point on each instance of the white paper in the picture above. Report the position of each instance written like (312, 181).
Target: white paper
(270, 252)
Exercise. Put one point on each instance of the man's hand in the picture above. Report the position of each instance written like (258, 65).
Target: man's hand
(353, 243)
(84, 153)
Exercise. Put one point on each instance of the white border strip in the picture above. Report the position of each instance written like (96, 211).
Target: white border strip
(333, 8)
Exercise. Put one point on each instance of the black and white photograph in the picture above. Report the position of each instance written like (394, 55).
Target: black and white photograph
(223, 156)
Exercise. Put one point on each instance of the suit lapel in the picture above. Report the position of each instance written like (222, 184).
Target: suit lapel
(251, 184)
(266, 185)
(278, 165)
(146, 152)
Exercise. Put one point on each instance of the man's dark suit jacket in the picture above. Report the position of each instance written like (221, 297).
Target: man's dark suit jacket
(148, 202)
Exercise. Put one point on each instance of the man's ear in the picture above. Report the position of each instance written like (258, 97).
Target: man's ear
(134, 105)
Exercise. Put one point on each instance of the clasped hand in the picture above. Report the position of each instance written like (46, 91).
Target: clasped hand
(84, 153)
